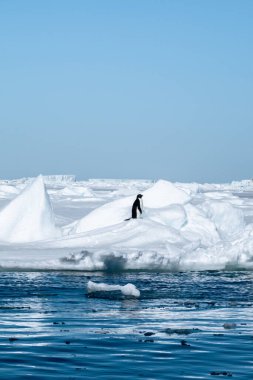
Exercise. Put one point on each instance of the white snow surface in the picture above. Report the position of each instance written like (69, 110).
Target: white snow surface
(160, 195)
(126, 290)
(8, 191)
(80, 225)
(28, 217)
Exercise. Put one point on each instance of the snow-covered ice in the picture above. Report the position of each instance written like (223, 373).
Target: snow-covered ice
(126, 290)
(29, 216)
(57, 222)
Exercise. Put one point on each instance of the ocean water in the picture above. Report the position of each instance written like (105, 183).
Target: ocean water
(185, 325)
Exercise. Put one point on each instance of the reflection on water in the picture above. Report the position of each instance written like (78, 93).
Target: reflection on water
(194, 325)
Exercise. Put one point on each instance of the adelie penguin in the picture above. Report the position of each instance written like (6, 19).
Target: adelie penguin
(137, 206)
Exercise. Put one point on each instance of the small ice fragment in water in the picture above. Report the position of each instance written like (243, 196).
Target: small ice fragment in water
(126, 290)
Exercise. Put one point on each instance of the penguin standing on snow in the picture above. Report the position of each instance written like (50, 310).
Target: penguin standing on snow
(137, 205)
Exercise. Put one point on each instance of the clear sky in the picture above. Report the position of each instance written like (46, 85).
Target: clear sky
(127, 89)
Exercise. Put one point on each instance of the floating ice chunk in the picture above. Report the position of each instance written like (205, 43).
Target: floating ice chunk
(126, 290)
(28, 217)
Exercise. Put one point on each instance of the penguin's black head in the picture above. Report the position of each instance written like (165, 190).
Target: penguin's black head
(139, 196)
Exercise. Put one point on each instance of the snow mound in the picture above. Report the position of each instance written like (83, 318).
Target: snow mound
(162, 194)
(107, 215)
(126, 290)
(199, 227)
(8, 191)
(228, 219)
(173, 216)
(28, 217)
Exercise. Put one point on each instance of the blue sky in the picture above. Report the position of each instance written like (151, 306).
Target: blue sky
(127, 89)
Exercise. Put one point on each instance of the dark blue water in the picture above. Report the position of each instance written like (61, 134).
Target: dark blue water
(195, 325)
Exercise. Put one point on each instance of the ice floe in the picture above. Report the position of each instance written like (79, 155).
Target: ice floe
(183, 226)
(126, 290)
